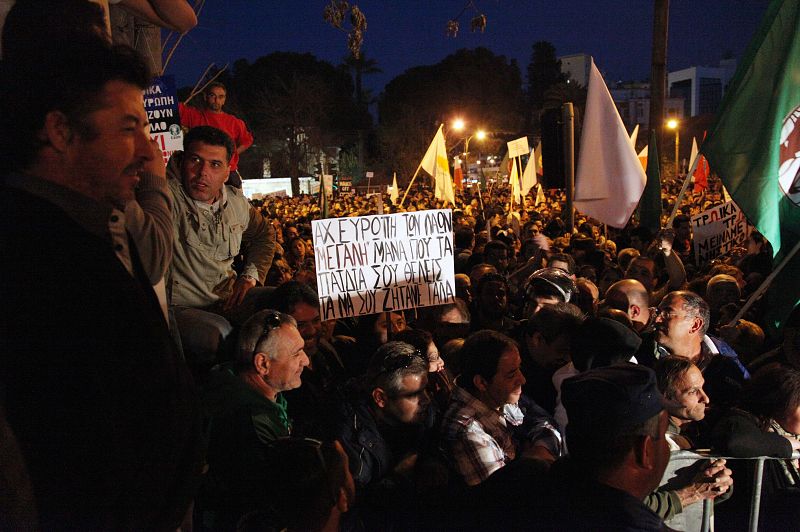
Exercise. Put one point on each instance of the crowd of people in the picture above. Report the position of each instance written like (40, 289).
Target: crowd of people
(549, 394)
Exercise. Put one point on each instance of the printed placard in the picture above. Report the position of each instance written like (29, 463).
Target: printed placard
(718, 230)
(161, 106)
(388, 262)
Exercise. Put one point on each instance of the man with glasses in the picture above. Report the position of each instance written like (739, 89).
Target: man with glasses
(682, 321)
(213, 224)
(247, 412)
(381, 430)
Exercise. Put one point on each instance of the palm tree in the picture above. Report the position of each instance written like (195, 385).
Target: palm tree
(360, 66)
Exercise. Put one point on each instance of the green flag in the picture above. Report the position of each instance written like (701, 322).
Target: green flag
(755, 141)
(650, 204)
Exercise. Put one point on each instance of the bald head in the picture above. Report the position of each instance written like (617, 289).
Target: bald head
(630, 296)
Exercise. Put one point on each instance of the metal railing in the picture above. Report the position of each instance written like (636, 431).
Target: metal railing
(758, 478)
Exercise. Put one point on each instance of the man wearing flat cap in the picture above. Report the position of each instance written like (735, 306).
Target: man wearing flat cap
(618, 452)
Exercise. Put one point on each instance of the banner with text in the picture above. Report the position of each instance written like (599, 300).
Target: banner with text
(391, 262)
(161, 106)
(718, 230)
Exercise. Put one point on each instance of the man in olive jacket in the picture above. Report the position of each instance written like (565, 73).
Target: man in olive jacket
(213, 223)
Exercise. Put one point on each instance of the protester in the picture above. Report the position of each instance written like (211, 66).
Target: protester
(213, 115)
(617, 452)
(247, 412)
(681, 325)
(213, 223)
(486, 411)
(101, 404)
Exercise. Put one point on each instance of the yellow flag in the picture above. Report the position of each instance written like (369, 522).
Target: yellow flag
(436, 164)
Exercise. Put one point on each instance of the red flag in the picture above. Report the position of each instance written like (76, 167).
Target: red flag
(702, 172)
(458, 177)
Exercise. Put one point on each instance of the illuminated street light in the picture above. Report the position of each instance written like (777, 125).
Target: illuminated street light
(673, 124)
(458, 124)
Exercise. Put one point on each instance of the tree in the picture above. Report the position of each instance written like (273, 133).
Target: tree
(359, 67)
(296, 106)
(544, 71)
(483, 88)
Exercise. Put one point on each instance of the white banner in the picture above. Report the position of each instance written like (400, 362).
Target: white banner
(518, 147)
(718, 230)
(390, 262)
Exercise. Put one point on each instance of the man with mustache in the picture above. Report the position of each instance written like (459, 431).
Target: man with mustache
(213, 223)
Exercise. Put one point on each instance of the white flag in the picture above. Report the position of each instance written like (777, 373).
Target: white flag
(694, 154)
(540, 195)
(610, 179)
(529, 175)
(395, 193)
(634, 136)
(436, 164)
(513, 178)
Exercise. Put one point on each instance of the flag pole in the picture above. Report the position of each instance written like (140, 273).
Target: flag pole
(765, 285)
(411, 183)
(679, 199)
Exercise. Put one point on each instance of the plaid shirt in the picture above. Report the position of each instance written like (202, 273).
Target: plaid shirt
(478, 439)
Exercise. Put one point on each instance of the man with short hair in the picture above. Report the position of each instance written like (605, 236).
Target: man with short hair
(545, 347)
(564, 262)
(103, 408)
(213, 223)
(495, 253)
(381, 429)
(681, 383)
(313, 405)
(311, 487)
(647, 269)
(617, 452)
(491, 305)
(213, 115)
(681, 324)
(487, 426)
(247, 412)
(631, 297)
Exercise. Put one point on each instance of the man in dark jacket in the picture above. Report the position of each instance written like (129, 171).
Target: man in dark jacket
(102, 406)
(381, 430)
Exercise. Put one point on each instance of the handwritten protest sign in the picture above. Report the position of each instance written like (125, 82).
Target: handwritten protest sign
(718, 230)
(391, 262)
(161, 106)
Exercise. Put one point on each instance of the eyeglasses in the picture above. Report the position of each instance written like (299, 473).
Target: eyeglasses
(271, 322)
(668, 314)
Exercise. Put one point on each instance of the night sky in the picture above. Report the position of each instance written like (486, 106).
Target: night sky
(406, 33)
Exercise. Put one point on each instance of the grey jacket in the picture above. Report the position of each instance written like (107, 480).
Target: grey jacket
(201, 274)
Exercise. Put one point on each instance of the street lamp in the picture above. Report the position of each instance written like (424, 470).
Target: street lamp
(479, 135)
(458, 124)
(673, 124)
